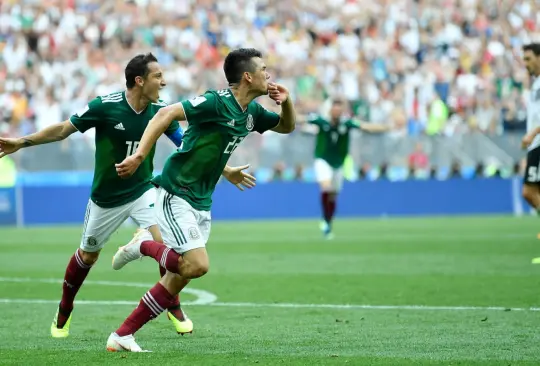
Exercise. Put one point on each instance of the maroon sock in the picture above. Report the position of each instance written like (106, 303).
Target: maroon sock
(332, 198)
(175, 305)
(164, 255)
(325, 199)
(76, 273)
(153, 303)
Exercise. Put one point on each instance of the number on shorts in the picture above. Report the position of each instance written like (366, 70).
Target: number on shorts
(533, 174)
(132, 147)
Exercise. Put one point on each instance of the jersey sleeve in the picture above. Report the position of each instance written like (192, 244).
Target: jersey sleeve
(89, 117)
(201, 109)
(352, 123)
(265, 119)
(315, 119)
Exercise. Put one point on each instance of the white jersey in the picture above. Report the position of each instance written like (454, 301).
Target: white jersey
(533, 112)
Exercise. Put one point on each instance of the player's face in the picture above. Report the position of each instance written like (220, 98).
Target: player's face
(153, 82)
(532, 63)
(259, 78)
(336, 111)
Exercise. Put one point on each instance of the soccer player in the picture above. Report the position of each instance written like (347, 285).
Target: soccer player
(531, 140)
(119, 120)
(218, 121)
(331, 150)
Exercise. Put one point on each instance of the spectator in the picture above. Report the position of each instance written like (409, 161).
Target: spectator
(418, 159)
(407, 63)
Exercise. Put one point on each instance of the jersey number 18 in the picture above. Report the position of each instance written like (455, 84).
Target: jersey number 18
(132, 147)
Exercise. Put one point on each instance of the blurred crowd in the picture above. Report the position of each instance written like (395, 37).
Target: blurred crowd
(426, 67)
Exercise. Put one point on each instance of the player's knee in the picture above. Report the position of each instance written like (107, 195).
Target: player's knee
(325, 186)
(200, 270)
(195, 269)
(89, 258)
(194, 263)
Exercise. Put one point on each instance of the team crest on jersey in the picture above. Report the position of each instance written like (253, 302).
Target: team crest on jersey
(249, 123)
(91, 241)
(193, 233)
(342, 129)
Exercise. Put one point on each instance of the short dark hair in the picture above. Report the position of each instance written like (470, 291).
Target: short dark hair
(138, 66)
(338, 101)
(238, 62)
(533, 47)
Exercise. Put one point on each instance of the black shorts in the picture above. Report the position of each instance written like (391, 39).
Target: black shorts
(532, 171)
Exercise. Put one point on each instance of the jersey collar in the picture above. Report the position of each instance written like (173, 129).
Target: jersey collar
(133, 109)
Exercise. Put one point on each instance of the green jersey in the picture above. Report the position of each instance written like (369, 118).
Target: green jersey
(217, 125)
(333, 140)
(118, 132)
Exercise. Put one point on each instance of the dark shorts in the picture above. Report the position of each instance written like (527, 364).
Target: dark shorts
(532, 171)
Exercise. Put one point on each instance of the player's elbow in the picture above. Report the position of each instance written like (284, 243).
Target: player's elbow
(173, 112)
(162, 115)
(64, 130)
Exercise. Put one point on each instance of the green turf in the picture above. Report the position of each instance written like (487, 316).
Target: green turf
(258, 267)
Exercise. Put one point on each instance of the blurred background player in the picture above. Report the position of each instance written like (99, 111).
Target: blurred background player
(531, 141)
(120, 120)
(218, 122)
(331, 150)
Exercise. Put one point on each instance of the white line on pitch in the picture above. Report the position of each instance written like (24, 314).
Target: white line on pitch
(201, 296)
(287, 305)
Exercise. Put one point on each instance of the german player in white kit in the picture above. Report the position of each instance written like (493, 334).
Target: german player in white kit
(531, 140)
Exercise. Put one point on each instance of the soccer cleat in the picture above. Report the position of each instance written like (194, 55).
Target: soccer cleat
(60, 332)
(115, 343)
(327, 230)
(536, 260)
(182, 326)
(132, 250)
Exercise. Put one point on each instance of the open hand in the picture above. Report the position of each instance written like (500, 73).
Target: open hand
(239, 178)
(9, 146)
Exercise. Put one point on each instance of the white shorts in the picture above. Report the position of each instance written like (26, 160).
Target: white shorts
(325, 173)
(100, 223)
(182, 227)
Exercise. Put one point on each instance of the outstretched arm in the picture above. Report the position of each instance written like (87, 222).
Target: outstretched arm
(56, 132)
(371, 127)
(374, 127)
(156, 127)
